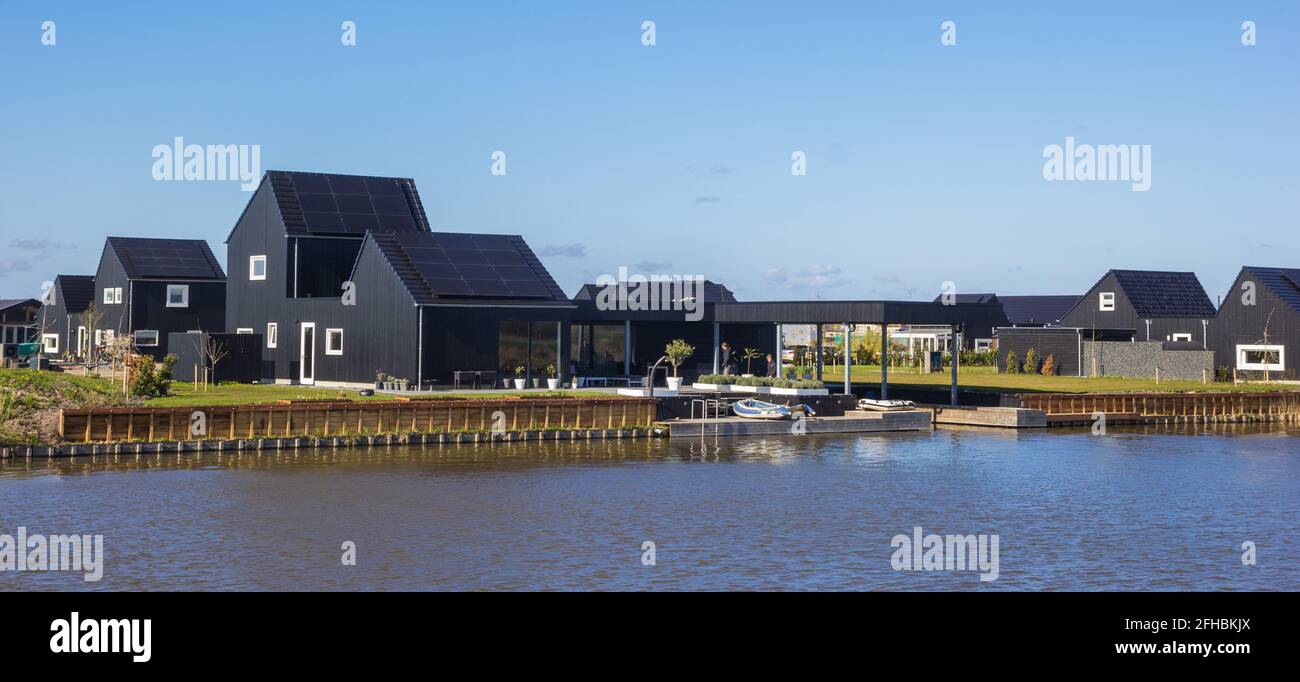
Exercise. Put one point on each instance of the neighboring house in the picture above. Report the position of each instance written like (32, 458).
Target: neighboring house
(343, 278)
(937, 338)
(62, 330)
(1037, 311)
(18, 324)
(1258, 325)
(1152, 305)
(153, 287)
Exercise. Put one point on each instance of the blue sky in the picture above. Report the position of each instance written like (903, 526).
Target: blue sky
(924, 162)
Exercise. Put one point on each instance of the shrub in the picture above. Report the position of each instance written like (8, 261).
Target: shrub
(1049, 365)
(1013, 363)
(148, 380)
(1031, 362)
(677, 351)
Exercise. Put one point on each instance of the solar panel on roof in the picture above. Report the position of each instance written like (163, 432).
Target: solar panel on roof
(456, 265)
(347, 204)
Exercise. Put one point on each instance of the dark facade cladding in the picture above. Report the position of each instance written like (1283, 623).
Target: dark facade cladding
(238, 357)
(1064, 345)
(18, 324)
(1258, 324)
(1156, 306)
(154, 287)
(343, 278)
(61, 314)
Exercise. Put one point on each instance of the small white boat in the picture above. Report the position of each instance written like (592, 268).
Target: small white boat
(885, 405)
(751, 408)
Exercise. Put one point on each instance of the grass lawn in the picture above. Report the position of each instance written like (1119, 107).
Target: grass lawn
(184, 395)
(988, 379)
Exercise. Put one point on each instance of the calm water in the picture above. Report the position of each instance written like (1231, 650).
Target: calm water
(1163, 510)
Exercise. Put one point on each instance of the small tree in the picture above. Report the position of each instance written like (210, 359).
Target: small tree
(750, 354)
(677, 351)
(1031, 362)
(1049, 365)
(214, 352)
(1013, 363)
(91, 319)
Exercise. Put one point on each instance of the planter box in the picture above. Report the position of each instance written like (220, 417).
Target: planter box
(645, 392)
(799, 391)
(711, 387)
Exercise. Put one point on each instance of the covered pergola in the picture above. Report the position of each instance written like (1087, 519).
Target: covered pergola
(849, 313)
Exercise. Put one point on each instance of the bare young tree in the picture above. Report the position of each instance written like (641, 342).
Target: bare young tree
(91, 319)
(214, 352)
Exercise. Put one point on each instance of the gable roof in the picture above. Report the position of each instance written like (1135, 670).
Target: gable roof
(77, 291)
(1022, 310)
(1283, 282)
(145, 258)
(351, 205)
(714, 292)
(969, 298)
(450, 267)
(8, 303)
(1156, 294)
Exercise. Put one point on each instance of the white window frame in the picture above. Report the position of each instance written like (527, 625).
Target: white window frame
(983, 344)
(1184, 336)
(47, 347)
(1106, 301)
(108, 295)
(252, 269)
(272, 334)
(1278, 366)
(184, 289)
(99, 337)
(329, 336)
(117, 295)
(244, 330)
(140, 344)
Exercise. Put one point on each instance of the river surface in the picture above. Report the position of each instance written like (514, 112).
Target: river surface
(1138, 509)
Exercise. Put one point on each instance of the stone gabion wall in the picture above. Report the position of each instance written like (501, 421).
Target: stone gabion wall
(1141, 358)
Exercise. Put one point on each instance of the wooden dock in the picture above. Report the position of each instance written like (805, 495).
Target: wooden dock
(852, 422)
(1151, 408)
(998, 417)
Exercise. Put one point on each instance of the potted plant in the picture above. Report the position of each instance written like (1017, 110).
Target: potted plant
(388, 382)
(677, 351)
(379, 379)
(749, 355)
(403, 384)
(552, 382)
(520, 382)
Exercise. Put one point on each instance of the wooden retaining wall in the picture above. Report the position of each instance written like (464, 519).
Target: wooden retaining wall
(350, 418)
(1199, 407)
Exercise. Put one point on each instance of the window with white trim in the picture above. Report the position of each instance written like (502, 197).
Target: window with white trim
(50, 343)
(1106, 301)
(1181, 337)
(178, 295)
(146, 337)
(117, 295)
(983, 344)
(244, 330)
(99, 337)
(1261, 357)
(257, 267)
(272, 334)
(108, 295)
(333, 341)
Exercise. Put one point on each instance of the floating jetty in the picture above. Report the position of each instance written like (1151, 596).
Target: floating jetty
(851, 422)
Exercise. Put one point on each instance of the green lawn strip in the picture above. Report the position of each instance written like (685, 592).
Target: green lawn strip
(988, 379)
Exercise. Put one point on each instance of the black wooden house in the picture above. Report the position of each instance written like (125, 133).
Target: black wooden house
(150, 288)
(1257, 329)
(1150, 305)
(63, 332)
(344, 279)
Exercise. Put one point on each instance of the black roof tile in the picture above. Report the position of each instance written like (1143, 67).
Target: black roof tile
(143, 258)
(1156, 294)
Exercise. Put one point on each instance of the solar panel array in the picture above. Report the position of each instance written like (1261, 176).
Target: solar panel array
(345, 204)
(166, 258)
(1283, 282)
(1165, 294)
(473, 265)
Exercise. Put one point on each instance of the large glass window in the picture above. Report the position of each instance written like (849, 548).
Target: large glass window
(512, 347)
(545, 348)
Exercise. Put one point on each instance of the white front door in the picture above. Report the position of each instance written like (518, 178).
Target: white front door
(307, 354)
(81, 341)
